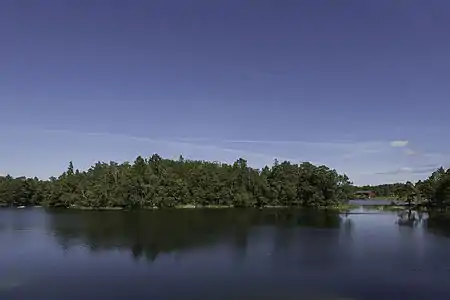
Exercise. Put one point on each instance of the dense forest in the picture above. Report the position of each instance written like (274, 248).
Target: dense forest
(398, 191)
(162, 183)
(433, 192)
(156, 183)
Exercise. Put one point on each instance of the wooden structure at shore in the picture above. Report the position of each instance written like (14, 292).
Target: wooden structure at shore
(365, 194)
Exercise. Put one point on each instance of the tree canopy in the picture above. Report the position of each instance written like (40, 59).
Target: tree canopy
(433, 192)
(155, 182)
(386, 191)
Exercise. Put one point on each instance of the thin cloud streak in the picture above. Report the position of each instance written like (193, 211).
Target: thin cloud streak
(349, 149)
(365, 146)
(407, 170)
(411, 152)
(399, 143)
(334, 144)
(349, 157)
(352, 148)
(185, 142)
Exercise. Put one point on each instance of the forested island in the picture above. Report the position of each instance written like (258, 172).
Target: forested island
(433, 192)
(155, 182)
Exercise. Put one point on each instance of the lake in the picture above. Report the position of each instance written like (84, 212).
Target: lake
(221, 254)
(374, 202)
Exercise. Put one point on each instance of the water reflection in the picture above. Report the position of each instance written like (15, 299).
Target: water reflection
(150, 233)
(433, 222)
(347, 227)
(223, 254)
(409, 218)
(438, 223)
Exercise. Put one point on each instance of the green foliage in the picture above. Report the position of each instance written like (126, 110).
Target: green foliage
(161, 183)
(433, 192)
(387, 191)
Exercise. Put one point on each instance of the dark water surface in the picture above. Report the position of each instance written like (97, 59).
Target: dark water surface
(220, 254)
(369, 202)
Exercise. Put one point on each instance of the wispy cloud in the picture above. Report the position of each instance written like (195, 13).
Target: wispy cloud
(411, 152)
(364, 146)
(345, 144)
(340, 148)
(399, 143)
(363, 161)
(181, 142)
(255, 151)
(425, 169)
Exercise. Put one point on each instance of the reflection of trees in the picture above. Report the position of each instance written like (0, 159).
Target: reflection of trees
(347, 228)
(319, 220)
(434, 222)
(149, 233)
(316, 247)
(438, 223)
(145, 233)
(299, 218)
(409, 218)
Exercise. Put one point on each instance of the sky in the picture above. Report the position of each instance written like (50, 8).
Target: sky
(360, 86)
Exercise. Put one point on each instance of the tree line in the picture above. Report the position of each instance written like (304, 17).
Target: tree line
(433, 192)
(386, 191)
(155, 182)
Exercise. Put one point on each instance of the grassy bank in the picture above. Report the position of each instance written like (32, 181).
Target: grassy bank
(192, 206)
(388, 208)
(95, 208)
(338, 208)
(385, 198)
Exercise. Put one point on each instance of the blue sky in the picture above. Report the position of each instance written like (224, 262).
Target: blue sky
(331, 82)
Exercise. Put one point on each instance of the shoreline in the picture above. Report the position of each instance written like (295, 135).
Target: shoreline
(342, 208)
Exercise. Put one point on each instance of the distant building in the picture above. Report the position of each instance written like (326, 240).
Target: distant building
(365, 194)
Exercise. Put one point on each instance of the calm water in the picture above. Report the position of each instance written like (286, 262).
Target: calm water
(220, 254)
(369, 202)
